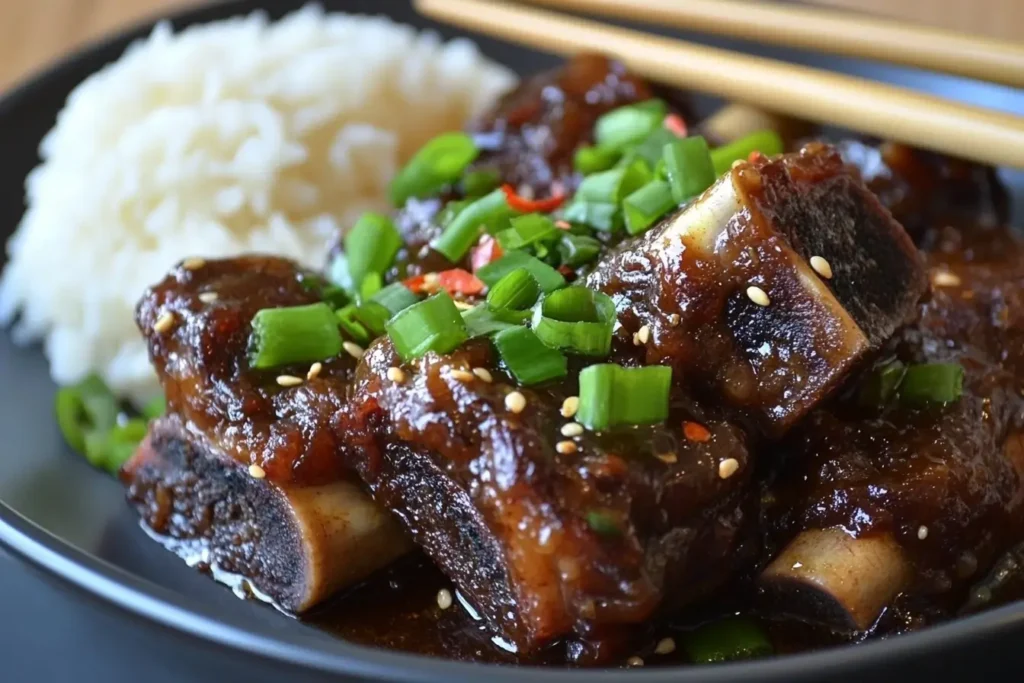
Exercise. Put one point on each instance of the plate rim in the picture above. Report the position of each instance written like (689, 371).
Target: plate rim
(183, 614)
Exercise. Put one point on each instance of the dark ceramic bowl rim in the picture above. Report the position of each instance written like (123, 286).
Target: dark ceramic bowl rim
(181, 613)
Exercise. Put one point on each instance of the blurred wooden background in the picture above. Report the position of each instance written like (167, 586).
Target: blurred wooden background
(34, 32)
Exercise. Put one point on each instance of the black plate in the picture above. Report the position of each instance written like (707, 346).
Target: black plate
(69, 519)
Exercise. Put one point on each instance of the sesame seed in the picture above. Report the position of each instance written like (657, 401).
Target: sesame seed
(673, 320)
(758, 296)
(193, 263)
(257, 472)
(944, 278)
(289, 380)
(208, 297)
(444, 598)
(462, 375)
(634, 661)
(164, 323)
(667, 458)
(463, 305)
(572, 429)
(396, 374)
(821, 267)
(484, 374)
(922, 532)
(728, 467)
(570, 406)
(353, 349)
(665, 646)
(314, 371)
(515, 402)
(644, 334)
(566, 447)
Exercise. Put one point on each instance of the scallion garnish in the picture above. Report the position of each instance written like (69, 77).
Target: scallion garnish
(434, 324)
(767, 142)
(370, 247)
(547, 277)
(589, 160)
(395, 297)
(373, 317)
(726, 640)
(516, 291)
(881, 384)
(526, 231)
(350, 325)
(630, 124)
(611, 187)
(689, 167)
(650, 148)
(528, 359)
(577, 320)
(155, 408)
(643, 208)
(479, 183)
(605, 216)
(604, 523)
(578, 250)
(296, 334)
(87, 414)
(438, 163)
(488, 212)
(612, 395)
(482, 321)
(932, 383)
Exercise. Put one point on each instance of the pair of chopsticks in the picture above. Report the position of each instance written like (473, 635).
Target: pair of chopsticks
(821, 96)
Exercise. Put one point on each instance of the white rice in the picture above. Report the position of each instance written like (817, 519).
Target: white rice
(236, 136)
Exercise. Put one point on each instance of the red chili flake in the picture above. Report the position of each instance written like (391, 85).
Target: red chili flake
(459, 281)
(532, 205)
(563, 225)
(696, 432)
(674, 124)
(566, 270)
(486, 251)
(417, 284)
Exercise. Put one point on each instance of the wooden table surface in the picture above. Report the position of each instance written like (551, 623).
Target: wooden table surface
(34, 32)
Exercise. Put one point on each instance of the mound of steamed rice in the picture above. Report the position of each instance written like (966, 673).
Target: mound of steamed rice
(237, 136)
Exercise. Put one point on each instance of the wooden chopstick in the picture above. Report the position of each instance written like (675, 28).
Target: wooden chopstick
(812, 94)
(823, 30)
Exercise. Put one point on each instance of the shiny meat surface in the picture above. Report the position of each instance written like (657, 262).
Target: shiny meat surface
(202, 361)
(770, 354)
(947, 483)
(547, 541)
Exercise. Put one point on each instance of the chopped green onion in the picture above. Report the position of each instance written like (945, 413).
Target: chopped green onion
(395, 297)
(644, 207)
(350, 325)
(461, 234)
(296, 334)
(547, 277)
(630, 124)
(604, 523)
(932, 383)
(155, 408)
(516, 291)
(527, 230)
(440, 162)
(370, 247)
(689, 167)
(528, 359)
(372, 283)
(481, 321)
(85, 407)
(373, 316)
(726, 640)
(610, 187)
(604, 216)
(578, 250)
(329, 293)
(589, 160)
(479, 183)
(110, 449)
(612, 395)
(577, 320)
(881, 384)
(767, 142)
(434, 324)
